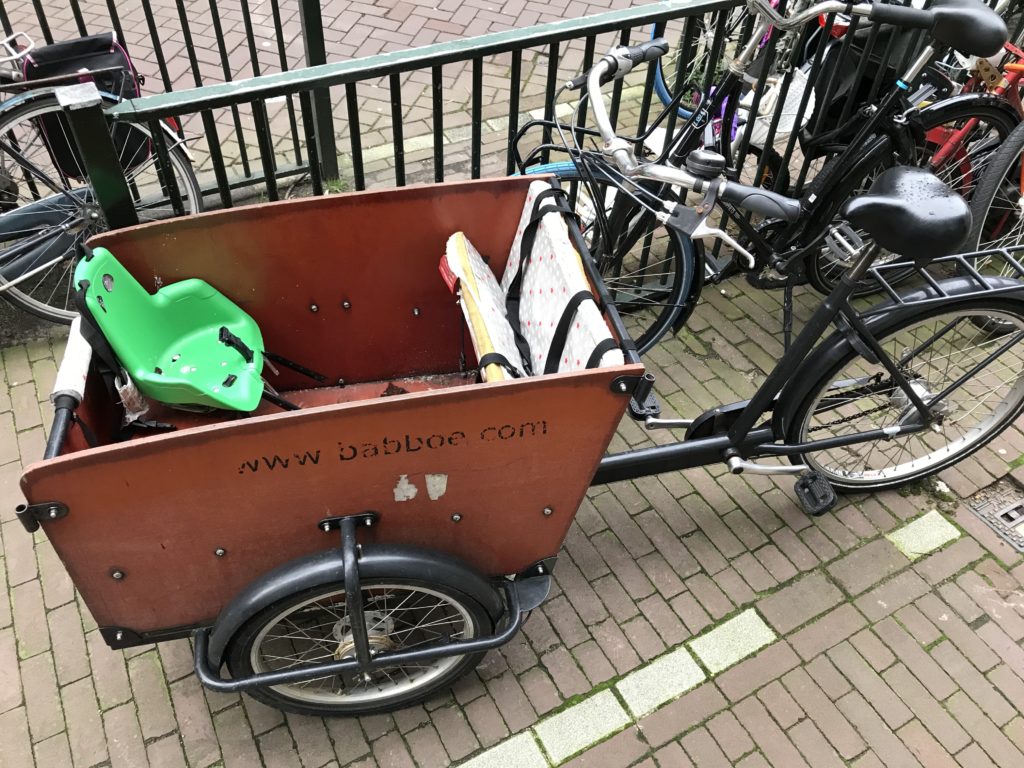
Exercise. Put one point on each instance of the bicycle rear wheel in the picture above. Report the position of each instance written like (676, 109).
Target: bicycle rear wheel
(649, 270)
(937, 349)
(47, 212)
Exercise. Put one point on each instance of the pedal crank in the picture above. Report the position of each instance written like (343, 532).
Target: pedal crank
(816, 494)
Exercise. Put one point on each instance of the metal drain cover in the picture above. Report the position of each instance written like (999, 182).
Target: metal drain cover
(1001, 508)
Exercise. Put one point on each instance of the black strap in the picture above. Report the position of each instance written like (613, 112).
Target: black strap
(562, 329)
(603, 347)
(496, 358)
(229, 339)
(91, 332)
(513, 295)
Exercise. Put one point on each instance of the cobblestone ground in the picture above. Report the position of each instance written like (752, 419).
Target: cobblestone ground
(872, 659)
(866, 657)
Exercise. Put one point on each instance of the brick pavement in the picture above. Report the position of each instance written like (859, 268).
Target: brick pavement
(879, 660)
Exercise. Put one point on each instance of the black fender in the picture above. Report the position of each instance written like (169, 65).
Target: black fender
(985, 100)
(961, 291)
(320, 568)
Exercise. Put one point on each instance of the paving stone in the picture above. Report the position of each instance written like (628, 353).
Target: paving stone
(777, 748)
(1000, 606)
(981, 691)
(710, 559)
(521, 751)
(732, 641)
(690, 611)
(984, 732)
(672, 756)
(15, 746)
(931, 675)
(426, 746)
(565, 673)
(389, 750)
(349, 741)
(619, 751)
(412, 717)
(578, 591)
(311, 739)
(30, 619)
(39, 681)
(512, 701)
(375, 726)
(747, 676)
(974, 757)
(782, 706)
(56, 583)
(151, 695)
(620, 605)
(900, 590)
(195, 724)
(917, 624)
(870, 685)
(11, 691)
(960, 602)
(237, 743)
(662, 575)
(824, 713)
(867, 566)
(926, 708)
(584, 723)
(124, 737)
(109, 672)
(872, 650)
(616, 647)
(950, 561)
(70, 655)
(664, 679)
(565, 621)
(486, 721)
(775, 563)
(879, 736)
(455, 733)
(663, 619)
(679, 716)
(53, 751)
(832, 628)
(703, 750)
(813, 745)
(711, 598)
(924, 747)
(820, 544)
(799, 602)
(594, 663)
(643, 638)
(85, 729)
(958, 632)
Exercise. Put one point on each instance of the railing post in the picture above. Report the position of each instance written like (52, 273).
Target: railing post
(84, 112)
(323, 118)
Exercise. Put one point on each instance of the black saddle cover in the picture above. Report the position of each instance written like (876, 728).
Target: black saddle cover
(909, 211)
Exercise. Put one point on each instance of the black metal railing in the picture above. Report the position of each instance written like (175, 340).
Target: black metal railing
(435, 112)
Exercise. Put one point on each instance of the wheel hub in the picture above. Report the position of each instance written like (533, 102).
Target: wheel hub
(379, 629)
(900, 401)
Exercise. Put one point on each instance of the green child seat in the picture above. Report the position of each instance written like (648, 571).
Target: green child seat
(186, 344)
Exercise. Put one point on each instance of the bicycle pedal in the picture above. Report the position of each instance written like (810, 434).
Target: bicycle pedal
(816, 494)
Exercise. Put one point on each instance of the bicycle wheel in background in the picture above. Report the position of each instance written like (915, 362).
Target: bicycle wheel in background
(997, 207)
(649, 270)
(46, 213)
(961, 137)
(934, 349)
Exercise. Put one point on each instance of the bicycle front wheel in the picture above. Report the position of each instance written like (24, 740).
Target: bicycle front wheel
(48, 209)
(945, 357)
(649, 270)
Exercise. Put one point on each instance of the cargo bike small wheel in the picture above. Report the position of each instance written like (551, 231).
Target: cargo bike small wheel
(313, 626)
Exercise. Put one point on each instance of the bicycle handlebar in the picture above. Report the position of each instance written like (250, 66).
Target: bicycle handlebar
(621, 61)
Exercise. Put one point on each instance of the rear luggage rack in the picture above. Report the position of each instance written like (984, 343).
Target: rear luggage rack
(995, 271)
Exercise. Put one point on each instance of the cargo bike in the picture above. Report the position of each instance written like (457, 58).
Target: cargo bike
(346, 469)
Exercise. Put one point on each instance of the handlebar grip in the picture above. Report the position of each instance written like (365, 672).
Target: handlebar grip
(901, 15)
(762, 201)
(648, 51)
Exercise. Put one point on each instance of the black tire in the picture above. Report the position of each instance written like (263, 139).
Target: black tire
(998, 221)
(961, 170)
(650, 275)
(451, 614)
(30, 212)
(934, 348)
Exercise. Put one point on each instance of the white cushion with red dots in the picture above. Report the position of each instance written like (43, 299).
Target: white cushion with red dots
(553, 276)
(483, 304)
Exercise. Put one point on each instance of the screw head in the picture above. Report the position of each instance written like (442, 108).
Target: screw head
(220, 551)
(52, 513)
(346, 304)
(117, 575)
(548, 511)
(368, 522)
(622, 386)
(456, 517)
(314, 308)
(325, 527)
(119, 636)
(415, 311)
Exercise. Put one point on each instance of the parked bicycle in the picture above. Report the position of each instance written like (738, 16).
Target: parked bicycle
(650, 274)
(47, 206)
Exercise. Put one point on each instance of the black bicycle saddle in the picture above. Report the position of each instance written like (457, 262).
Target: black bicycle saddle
(969, 26)
(911, 212)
